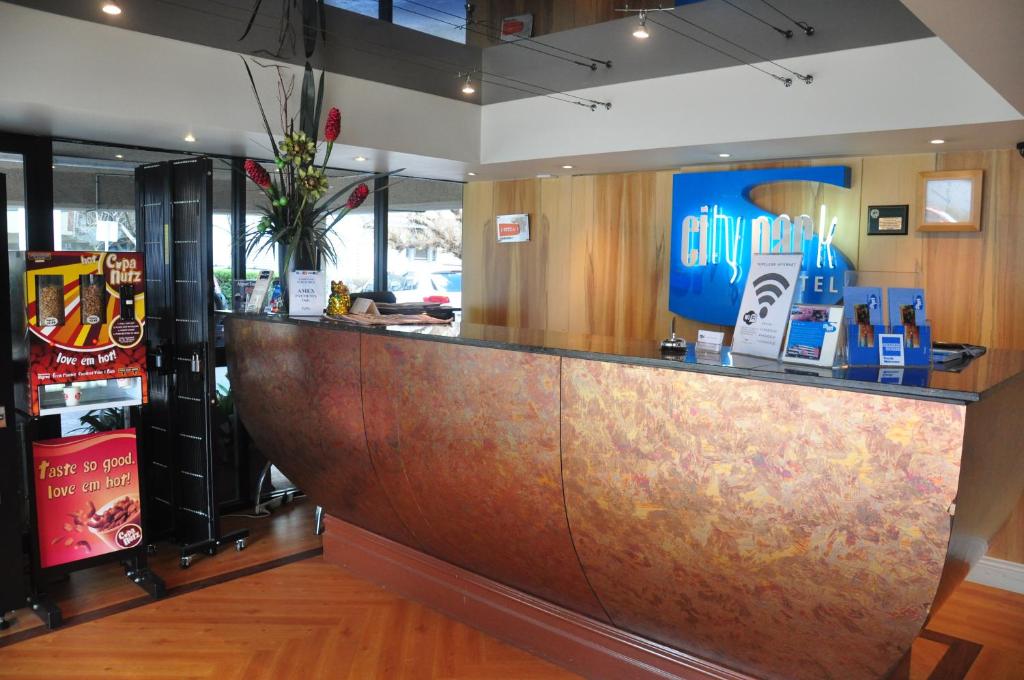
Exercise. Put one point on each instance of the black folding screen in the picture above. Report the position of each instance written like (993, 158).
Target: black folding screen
(175, 218)
(12, 577)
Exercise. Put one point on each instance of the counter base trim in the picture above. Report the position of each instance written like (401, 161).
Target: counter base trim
(573, 641)
(996, 573)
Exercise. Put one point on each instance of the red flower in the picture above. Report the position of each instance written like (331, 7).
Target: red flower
(358, 195)
(257, 174)
(333, 127)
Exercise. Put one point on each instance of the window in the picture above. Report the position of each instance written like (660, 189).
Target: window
(443, 18)
(94, 196)
(425, 240)
(370, 8)
(12, 165)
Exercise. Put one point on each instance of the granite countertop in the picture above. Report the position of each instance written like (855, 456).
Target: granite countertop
(971, 383)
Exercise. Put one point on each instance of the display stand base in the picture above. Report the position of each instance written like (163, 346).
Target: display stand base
(46, 610)
(240, 538)
(147, 580)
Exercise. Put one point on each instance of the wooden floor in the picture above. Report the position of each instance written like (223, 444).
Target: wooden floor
(309, 620)
(288, 531)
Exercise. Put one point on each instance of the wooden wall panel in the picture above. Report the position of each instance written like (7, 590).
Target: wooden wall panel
(892, 180)
(620, 255)
(477, 218)
(556, 215)
(549, 16)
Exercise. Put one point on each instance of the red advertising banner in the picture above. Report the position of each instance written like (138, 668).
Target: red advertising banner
(86, 316)
(87, 496)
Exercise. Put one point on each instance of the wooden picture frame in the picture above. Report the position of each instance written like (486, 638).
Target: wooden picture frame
(950, 200)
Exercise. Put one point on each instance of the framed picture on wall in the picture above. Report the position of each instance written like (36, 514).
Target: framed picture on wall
(950, 200)
(888, 220)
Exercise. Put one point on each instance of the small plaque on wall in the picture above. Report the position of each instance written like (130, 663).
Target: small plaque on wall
(888, 220)
(513, 228)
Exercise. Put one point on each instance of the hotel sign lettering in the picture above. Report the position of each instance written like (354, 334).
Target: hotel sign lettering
(716, 228)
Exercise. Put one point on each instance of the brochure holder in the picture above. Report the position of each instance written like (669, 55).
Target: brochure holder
(917, 349)
(862, 344)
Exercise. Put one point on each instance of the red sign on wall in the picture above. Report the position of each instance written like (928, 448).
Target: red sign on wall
(87, 496)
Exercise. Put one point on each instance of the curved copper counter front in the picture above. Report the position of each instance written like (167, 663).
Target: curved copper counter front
(779, 528)
(741, 520)
(465, 439)
(297, 391)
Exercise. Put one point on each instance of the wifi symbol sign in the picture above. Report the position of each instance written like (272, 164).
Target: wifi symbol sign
(769, 288)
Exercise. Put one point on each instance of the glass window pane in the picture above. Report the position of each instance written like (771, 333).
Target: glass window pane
(94, 196)
(443, 18)
(425, 241)
(352, 238)
(369, 8)
(11, 165)
(221, 237)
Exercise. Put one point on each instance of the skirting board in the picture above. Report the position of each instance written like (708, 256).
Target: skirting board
(573, 641)
(996, 573)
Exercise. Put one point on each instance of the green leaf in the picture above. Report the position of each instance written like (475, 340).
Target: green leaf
(263, 114)
(307, 123)
(310, 25)
(252, 19)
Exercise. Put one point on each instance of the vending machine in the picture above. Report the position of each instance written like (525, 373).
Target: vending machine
(85, 315)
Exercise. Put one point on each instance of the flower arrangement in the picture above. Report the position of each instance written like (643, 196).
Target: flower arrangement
(301, 211)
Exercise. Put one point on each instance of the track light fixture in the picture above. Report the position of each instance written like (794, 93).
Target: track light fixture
(641, 30)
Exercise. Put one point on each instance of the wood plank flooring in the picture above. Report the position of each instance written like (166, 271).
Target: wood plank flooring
(310, 620)
(288, 531)
(304, 620)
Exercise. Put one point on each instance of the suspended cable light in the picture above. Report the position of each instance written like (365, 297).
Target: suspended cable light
(784, 31)
(806, 78)
(641, 30)
(468, 87)
(802, 25)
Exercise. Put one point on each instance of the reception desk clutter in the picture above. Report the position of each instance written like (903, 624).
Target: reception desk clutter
(724, 521)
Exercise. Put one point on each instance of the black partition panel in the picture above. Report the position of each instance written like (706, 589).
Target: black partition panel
(175, 219)
(12, 576)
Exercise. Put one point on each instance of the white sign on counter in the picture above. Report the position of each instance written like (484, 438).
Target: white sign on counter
(306, 293)
(764, 310)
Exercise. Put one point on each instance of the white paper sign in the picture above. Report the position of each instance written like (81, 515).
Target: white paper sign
(306, 293)
(709, 341)
(890, 349)
(764, 310)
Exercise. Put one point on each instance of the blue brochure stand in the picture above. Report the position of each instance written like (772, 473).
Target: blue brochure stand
(858, 352)
(921, 354)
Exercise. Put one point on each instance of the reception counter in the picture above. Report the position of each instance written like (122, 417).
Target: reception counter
(727, 518)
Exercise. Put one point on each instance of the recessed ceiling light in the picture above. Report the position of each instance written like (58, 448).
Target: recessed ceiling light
(725, 155)
(471, 174)
(111, 8)
(118, 155)
(359, 158)
(938, 141)
(190, 138)
(566, 167)
(544, 175)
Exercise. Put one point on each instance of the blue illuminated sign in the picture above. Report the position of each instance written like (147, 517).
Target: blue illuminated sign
(716, 228)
